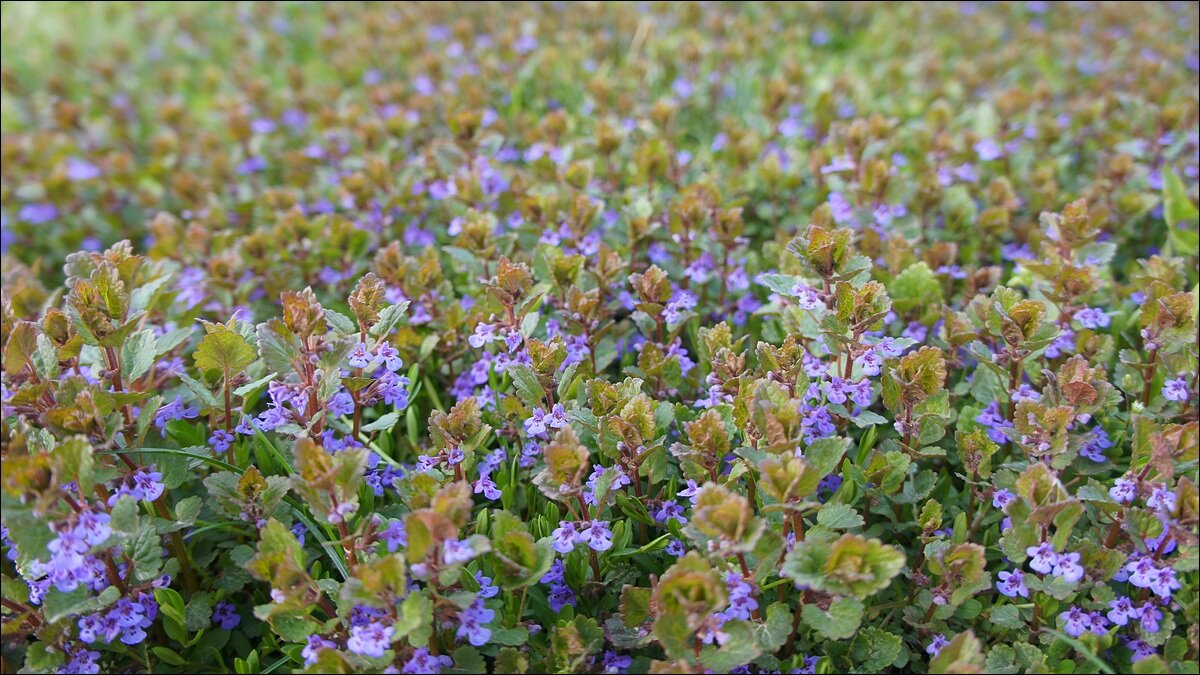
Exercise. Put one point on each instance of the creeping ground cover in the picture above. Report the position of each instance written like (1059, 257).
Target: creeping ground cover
(599, 337)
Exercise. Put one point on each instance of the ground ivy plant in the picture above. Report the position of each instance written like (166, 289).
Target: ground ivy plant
(600, 337)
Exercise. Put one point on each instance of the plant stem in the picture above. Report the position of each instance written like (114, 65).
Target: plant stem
(179, 549)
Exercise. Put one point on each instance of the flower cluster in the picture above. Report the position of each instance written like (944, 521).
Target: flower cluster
(600, 337)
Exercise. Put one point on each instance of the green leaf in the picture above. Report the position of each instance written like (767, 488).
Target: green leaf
(773, 633)
(384, 423)
(741, 648)
(42, 657)
(45, 358)
(852, 565)
(467, 660)
(251, 387)
(146, 552)
(137, 354)
(1177, 210)
(1002, 659)
(873, 650)
(839, 517)
(915, 287)
(839, 622)
(510, 660)
(58, 605)
(415, 620)
(74, 461)
(167, 656)
(294, 628)
(224, 350)
(527, 385)
(823, 455)
(511, 637)
(198, 613)
(1007, 616)
(388, 318)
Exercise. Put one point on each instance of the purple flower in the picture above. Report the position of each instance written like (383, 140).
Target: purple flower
(1150, 616)
(1142, 572)
(390, 355)
(555, 575)
(1002, 498)
(557, 417)
(394, 535)
(486, 588)
(81, 661)
(681, 301)
(1092, 318)
(560, 596)
(251, 165)
(835, 390)
(619, 481)
(1098, 625)
(1096, 442)
(370, 639)
(915, 331)
(615, 663)
(221, 440)
(1161, 500)
(1063, 345)
(670, 510)
(862, 393)
(1042, 557)
(174, 410)
(424, 662)
(1067, 566)
(1012, 584)
(1122, 610)
(1123, 491)
(988, 150)
(839, 164)
(486, 486)
(1075, 621)
(81, 170)
(991, 418)
(37, 214)
(1026, 393)
(142, 485)
(564, 537)
(1140, 649)
(870, 363)
(677, 349)
(536, 424)
(359, 357)
(597, 535)
(690, 491)
(1163, 583)
(342, 512)
(807, 297)
(936, 644)
(457, 551)
(225, 615)
(485, 333)
(471, 623)
(1176, 389)
(741, 598)
(315, 644)
(817, 423)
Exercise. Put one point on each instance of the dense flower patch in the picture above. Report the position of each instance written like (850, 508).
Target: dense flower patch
(587, 337)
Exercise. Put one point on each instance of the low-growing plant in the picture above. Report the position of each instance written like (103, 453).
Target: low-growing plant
(601, 338)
